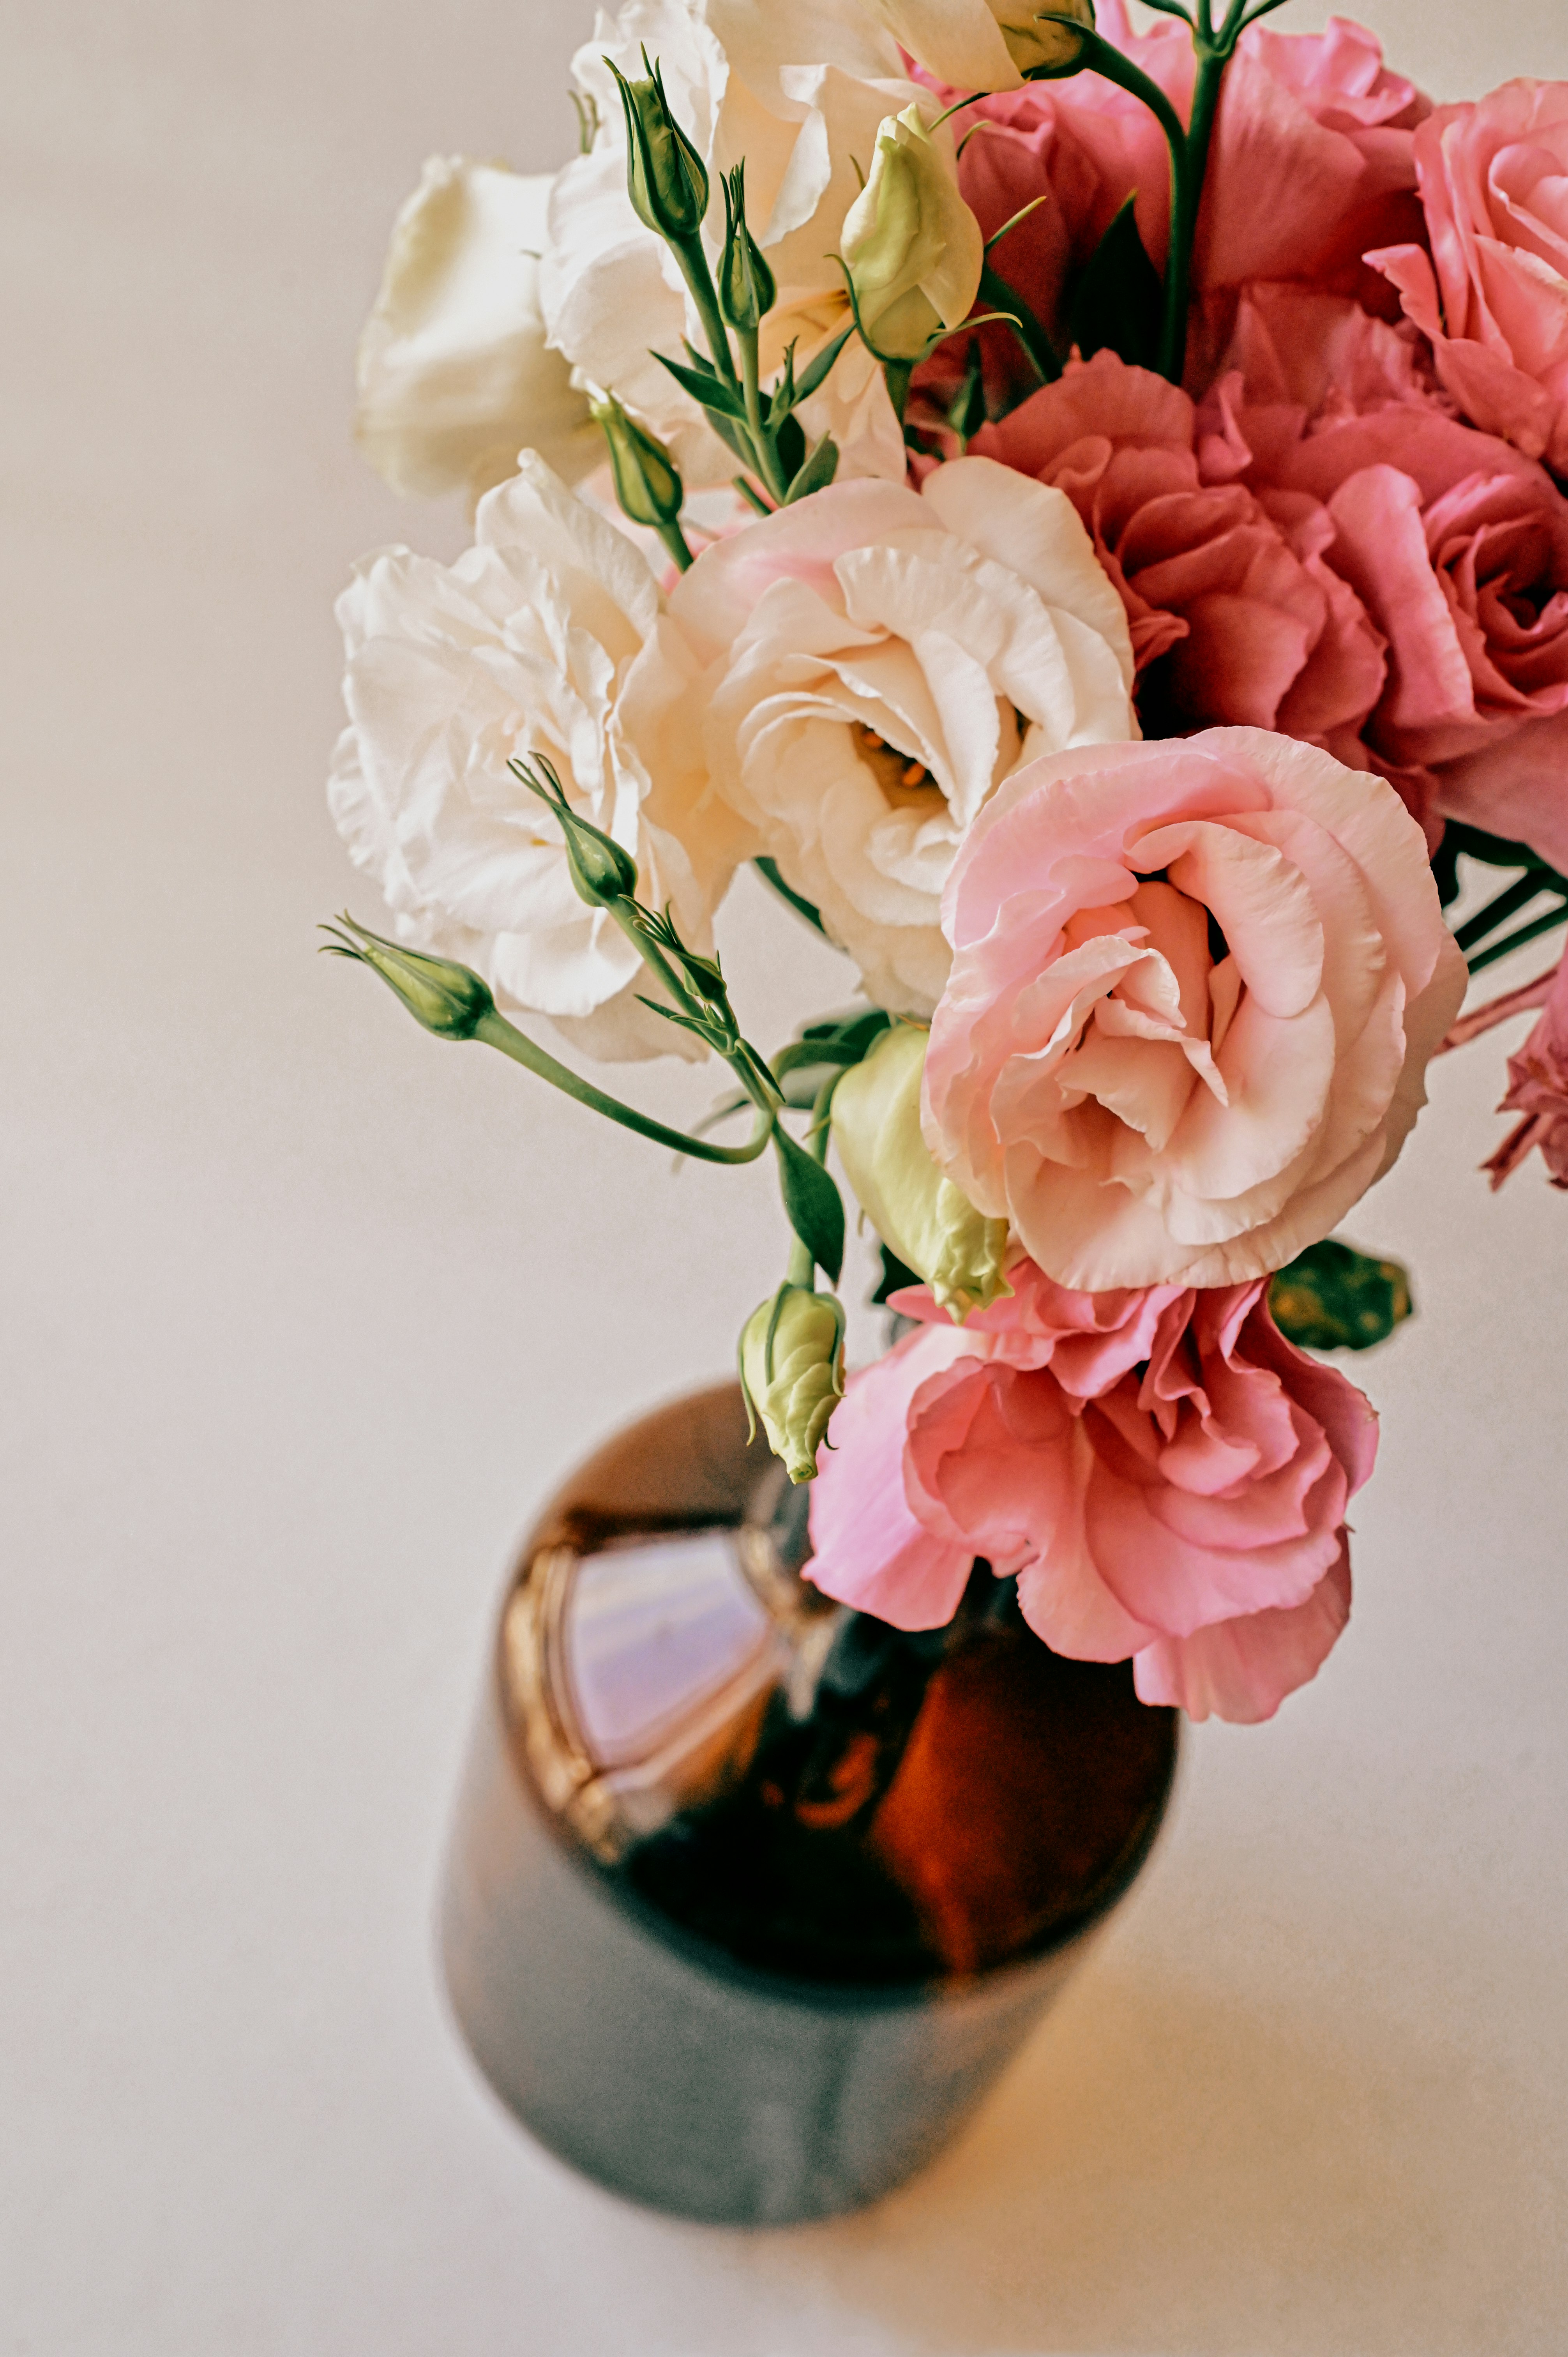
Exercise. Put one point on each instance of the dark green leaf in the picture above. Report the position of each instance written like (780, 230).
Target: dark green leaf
(895, 1277)
(1117, 302)
(790, 443)
(817, 473)
(768, 870)
(816, 372)
(1332, 1297)
(706, 387)
(813, 1203)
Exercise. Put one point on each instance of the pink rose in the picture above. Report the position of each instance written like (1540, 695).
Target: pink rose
(1456, 545)
(1493, 293)
(1165, 1473)
(1538, 1089)
(1235, 616)
(1312, 163)
(1194, 989)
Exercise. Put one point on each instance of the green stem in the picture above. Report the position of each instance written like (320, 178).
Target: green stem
(1506, 903)
(1517, 941)
(496, 1032)
(1037, 346)
(766, 456)
(896, 374)
(801, 1268)
(676, 540)
(1186, 195)
(692, 255)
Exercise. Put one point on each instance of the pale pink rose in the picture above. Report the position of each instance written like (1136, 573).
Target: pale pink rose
(1166, 1475)
(1538, 1089)
(1493, 292)
(1457, 546)
(1234, 615)
(1195, 987)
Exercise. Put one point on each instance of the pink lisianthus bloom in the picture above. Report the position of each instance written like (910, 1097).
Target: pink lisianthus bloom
(1195, 985)
(1312, 163)
(1166, 1476)
(1235, 616)
(1493, 292)
(1538, 1089)
(1457, 546)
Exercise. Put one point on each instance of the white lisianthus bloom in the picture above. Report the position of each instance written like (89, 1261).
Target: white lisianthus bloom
(799, 94)
(911, 245)
(984, 44)
(874, 662)
(455, 373)
(543, 637)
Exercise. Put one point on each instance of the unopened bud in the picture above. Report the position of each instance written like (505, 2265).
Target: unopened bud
(747, 288)
(665, 177)
(601, 869)
(1041, 50)
(646, 484)
(920, 1216)
(447, 999)
(912, 247)
(791, 1367)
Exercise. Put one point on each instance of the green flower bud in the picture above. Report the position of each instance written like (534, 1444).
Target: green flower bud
(747, 288)
(1043, 51)
(647, 485)
(601, 870)
(665, 178)
(791, 1368)
(447, 999)
(912, 247)
(919, 1215)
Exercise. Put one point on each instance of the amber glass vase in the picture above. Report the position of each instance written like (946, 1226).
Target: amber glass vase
(750, 1897)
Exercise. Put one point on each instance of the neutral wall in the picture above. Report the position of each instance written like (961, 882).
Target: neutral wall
(302, 1312)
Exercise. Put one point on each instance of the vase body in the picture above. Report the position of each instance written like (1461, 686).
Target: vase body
(750, 1900)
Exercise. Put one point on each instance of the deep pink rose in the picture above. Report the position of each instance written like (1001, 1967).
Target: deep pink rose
(1456, 545)
(1165, 1473)
(1194, 989)
(1235, 617)
(1493, 292)
(1312, 163)
(1538, 1089)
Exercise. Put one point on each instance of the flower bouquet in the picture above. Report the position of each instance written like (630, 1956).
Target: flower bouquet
(1080, 511)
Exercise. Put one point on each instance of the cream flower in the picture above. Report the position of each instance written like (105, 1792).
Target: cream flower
(801, 96)
(875, 661)
(455, 374)
(536, 642)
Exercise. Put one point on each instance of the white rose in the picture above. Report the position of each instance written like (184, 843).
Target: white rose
(800, 95)
(455, 373)
(531, 643)
(874, 660)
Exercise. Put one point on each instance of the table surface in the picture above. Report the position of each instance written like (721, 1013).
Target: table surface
(303, 1313)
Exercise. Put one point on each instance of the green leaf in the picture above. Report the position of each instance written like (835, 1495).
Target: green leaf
(816, 372)
(1117, 302)
(768, 870)
(790, 443)
(1332, 1297)
(706, 387)
(817, 473)
(813, 1203)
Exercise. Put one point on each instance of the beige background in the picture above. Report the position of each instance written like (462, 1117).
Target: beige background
(302, 1312)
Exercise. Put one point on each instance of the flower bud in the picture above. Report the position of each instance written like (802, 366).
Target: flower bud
(911, 246)
(919, 1214)
(601, 869)
(747, 288)
(647, 485)
(665, 177)
(447, 999)
(791, 1368)
(1043, 51)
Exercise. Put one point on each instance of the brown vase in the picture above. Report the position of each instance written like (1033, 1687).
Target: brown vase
(750, 1898)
